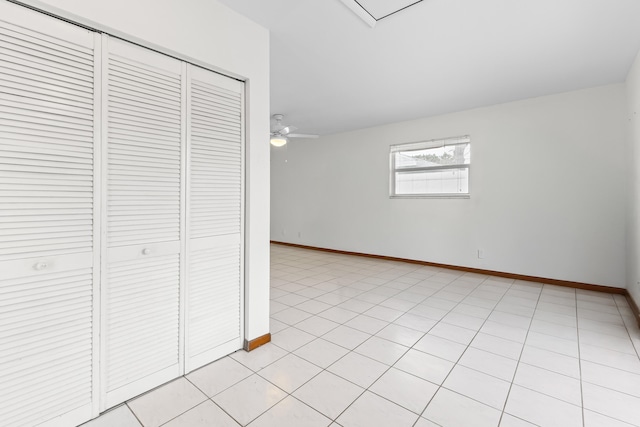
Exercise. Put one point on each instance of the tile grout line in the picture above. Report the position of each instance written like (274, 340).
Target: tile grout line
(524, 343)
(440, 386)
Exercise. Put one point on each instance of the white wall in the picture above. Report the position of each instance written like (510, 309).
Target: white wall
(208, 33)
(547, 190)
(633, 235)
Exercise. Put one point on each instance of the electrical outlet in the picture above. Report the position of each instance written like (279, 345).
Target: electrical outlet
(480, 253)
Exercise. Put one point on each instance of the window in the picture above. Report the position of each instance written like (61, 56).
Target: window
(436, 168)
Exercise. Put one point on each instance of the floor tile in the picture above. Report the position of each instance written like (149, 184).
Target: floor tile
(276, 326)
(369, 325)
(510, 319)
(620, 406)
(549, 383)
(612, 378)
(440, 347)
(275, 307)
(249, 398)
(338, 315)
(358, 369)
(416, 322)
(383, 313)
(328, 394)
(425, 366)
(472, 310)
(593, 419)
(551, 361)
(346, 337)
(356, 305)
(453, 333)
(551, 343)
(317, 326)
(489, 363)
(450, 409)
(371, 410)
(381, 350)
(291, 299)
(313, 307)
(166, 402)
(219, 375)
(553, 329)
(291, 412)
(504, 331)
(117, 417)
(398, 304)
(260, 357)
(291, 339)
(497, 345)
(511, 421)
(463, 320)
(400, 334)
(478, 386)
(206, 414)
(626, 362)
(404, 389)
(622, 345)
(290, 372)
(541, 409)
(321, 352)
(429, 312)
(291, 316)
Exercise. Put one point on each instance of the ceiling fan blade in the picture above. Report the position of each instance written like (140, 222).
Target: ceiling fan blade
(302, 135)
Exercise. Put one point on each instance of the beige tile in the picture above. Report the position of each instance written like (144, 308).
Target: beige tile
(249, 398)
(206, 414)
(450, 409)
(329, 394)
(371, 410)
(166, 402)
(291, 412)
(219, 375)
(404, 389)
(117, 417)
(290, 372)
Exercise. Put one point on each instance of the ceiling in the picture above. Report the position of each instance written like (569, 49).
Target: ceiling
(331, 72)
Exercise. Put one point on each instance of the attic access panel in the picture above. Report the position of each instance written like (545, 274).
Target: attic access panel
(372, 11)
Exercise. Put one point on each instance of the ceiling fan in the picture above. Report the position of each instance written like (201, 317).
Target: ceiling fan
(280, 134)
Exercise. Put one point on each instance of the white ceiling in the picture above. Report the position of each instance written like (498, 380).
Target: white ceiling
(330, 72)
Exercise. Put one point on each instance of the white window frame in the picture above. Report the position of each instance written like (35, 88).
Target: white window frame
(425, 145)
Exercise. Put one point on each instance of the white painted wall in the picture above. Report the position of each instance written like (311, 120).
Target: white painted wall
(547, 190)
(211, 34)
(633, 235)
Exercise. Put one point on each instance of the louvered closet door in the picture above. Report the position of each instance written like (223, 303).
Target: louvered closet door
(143, 220)
(47, 182)
(215, 217)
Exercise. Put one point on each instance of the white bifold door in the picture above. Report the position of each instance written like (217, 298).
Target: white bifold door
(144, 134)
(49, 269)
(215, 216)
(121, 219)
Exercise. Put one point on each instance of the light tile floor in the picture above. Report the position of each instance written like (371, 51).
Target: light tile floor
(365, 342)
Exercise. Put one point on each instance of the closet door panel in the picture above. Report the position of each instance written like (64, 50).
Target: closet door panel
(143, 221)
(47, 226)
(214, 222)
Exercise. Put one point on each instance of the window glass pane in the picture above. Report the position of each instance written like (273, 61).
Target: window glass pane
(448, 181)
(458, 154)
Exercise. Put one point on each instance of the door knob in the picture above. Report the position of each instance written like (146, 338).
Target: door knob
(40, 266)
